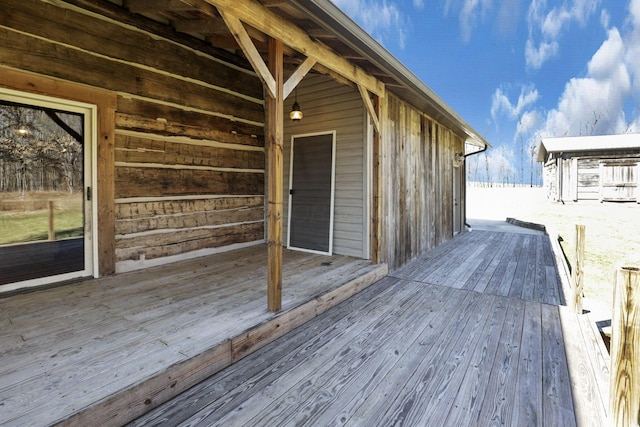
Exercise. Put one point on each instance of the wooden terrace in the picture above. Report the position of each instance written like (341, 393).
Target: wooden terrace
(104, 351)
(472, 333)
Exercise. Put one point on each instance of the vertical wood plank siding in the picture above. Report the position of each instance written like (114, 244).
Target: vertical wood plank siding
(328, 106)
(189, 127)
(417, 164)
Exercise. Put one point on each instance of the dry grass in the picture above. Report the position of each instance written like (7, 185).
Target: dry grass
(612, 231)
(25, 218)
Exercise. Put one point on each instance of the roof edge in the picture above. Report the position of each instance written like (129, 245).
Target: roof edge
(328, 13)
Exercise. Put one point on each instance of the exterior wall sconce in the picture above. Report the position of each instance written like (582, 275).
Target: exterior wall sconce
(296, 114)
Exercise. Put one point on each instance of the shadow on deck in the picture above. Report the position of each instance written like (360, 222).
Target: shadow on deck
(471, 334)
(104, 351)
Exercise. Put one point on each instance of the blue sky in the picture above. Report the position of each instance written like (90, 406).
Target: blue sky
(518, 70)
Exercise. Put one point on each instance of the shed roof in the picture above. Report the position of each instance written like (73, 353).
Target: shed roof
(326, 24)
(588, 143)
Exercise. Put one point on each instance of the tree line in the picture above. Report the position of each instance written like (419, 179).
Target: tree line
(41, 149)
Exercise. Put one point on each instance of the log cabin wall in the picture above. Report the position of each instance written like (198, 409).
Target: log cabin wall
(330, 106)
(417, 182)
(189, 138)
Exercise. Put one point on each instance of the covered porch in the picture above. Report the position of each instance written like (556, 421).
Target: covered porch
(110, 349)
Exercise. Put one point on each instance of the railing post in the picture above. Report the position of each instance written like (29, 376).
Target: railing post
(52, 229)
(577, 271)
(624, 396)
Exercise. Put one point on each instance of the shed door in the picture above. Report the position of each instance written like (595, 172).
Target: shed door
(45, 215)
(311, 189)
(619, 181)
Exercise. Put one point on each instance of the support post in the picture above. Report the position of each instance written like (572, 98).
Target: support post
(275, 131)
(52, 228)
(376, 208)
(577, 270)
(624, 395)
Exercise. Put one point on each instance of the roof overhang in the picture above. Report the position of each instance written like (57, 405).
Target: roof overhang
(408, 86)
(630, 141)
(309, 29)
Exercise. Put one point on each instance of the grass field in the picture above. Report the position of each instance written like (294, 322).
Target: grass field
(26, 218)
(612, 231)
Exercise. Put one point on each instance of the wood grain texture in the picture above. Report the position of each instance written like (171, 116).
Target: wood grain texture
(624, 395)
(113, 348)
(417, 207)
(409, 352)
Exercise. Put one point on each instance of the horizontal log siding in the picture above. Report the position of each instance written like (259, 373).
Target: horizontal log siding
(417, 180)
(329, 106)
(189, 149)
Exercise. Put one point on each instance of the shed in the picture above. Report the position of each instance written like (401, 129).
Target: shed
(603, 168)
(181, 113)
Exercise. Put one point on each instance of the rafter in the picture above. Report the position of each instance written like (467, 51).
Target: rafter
(250, 51)
(297, 76)
(152, 6)
(254, 14)
(209, 26)
(370, 107)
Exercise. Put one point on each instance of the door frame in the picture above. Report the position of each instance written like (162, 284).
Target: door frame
(333, 190)
(90, 114)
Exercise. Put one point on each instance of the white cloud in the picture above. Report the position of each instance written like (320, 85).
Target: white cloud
(380, 18)
(501, 104)
(528, 123)
(595, 103)
(536, 56)
(470, 12)
(546, 27)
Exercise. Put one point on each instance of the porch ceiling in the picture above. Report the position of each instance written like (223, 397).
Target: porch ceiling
(326, 26)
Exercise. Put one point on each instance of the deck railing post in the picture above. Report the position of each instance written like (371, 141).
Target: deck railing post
(577, 272)
(624, 396)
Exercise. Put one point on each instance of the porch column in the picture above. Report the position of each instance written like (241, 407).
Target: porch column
(275, 125)
(376, 190)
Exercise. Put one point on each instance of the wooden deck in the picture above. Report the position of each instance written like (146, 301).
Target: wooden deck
(472, 334)
(104, 351)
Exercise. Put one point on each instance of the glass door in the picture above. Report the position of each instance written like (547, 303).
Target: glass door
(45, 190)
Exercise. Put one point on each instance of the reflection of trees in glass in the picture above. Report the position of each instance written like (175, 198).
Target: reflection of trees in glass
(40, 149)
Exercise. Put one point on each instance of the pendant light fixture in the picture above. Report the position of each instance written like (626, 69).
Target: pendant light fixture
(296, 114)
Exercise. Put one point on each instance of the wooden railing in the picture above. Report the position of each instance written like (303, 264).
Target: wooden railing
(624, 384)
(624, 395)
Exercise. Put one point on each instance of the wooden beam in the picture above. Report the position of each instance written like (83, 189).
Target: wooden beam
(275, 132)
(254, 14)
(297, 76)
(250, 51)
(153, 6)
(205, 26)
(370, 108)
(577, 270)
(376, 192)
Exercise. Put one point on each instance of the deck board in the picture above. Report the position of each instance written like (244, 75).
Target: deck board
(71, 347)
(470, 333)
(422, 347)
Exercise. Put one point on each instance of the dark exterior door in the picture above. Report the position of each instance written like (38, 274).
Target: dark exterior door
(311, 193)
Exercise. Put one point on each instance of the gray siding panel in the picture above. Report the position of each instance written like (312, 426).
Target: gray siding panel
(329, 106)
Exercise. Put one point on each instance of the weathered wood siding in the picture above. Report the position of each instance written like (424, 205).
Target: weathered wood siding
(580, 176)
(417, 179)
(330, 106)
(173, 195)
